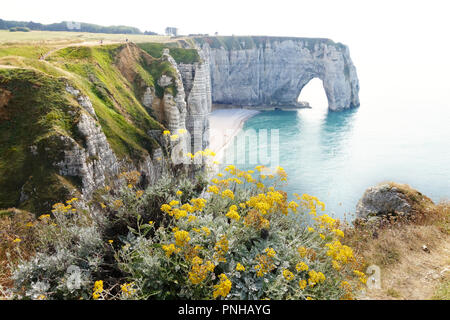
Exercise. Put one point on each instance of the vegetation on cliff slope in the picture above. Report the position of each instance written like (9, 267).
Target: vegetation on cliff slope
(170, 242)
(35, 110)
(35, 106)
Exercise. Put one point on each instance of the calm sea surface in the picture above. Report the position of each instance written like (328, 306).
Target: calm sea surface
(337, 155)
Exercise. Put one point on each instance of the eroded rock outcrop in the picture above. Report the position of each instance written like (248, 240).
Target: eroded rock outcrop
(197, 85)
(265, 71)
(390, 199)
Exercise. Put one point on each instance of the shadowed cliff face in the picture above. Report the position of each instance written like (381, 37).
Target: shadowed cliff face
(265, 71)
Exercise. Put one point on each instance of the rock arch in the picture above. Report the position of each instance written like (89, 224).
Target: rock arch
(266, 71)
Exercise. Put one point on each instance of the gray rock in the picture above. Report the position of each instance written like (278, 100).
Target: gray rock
(389, 198)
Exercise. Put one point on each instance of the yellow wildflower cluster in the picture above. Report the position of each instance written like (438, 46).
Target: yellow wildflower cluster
(270, 252)
(240, 267)
(170, 249)
(60, 207)
(199, 204)
(339, 252)
(361, 275)
(268, 202)
(301, 266)
(221, 249)
(288, 275)
(282, 173)
(223, 288)
(213, 189)
(302, 284)
(265, 264)
(98, 289)
(182, 238)
(311, 203)
(315, 278)
(199, 270)
(256, 220)
(228, 194)
(233, 214)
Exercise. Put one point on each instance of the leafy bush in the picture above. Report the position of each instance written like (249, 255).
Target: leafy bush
(239, 239)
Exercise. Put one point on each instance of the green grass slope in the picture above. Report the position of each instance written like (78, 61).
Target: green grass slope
(35, 108)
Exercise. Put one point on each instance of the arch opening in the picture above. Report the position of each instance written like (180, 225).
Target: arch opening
(314, 94)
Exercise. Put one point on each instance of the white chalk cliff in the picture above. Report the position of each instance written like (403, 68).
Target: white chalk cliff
(267, 71)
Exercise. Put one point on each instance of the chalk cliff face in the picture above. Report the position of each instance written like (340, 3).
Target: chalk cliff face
(197, 86)
(265, 71)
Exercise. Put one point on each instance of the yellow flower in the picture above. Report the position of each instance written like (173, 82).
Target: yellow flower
(221, 249)
(173, 203)
(302, 284)
(302, 251)
(182, 238)
(29, 225)
(166, 133)
(111, 241)
(17, 240)
(199, 270)
(240, 267)
(301, 266)
(223, 288)
(206, 231)
(166, 208)
(182, 131)
(98, 289)
(338, 232)
(293, 206)
(179, 193)
(44, 216)
(228, 194)
(174, 137)
(170, 249)
(213, 189)
(270, 252)
(336, 265)
(232, 214)
(102, 205)
(151, 223)
(192, 218)
(288, 275)
(139, 194)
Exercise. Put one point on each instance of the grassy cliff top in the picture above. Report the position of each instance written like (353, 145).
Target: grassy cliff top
(250, 42)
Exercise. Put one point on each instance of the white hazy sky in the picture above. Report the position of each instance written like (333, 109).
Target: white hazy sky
(399, 39)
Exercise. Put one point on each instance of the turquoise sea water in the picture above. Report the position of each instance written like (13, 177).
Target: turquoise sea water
(337, 155)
